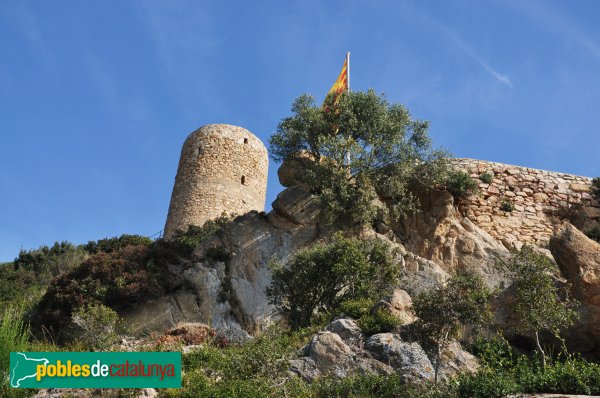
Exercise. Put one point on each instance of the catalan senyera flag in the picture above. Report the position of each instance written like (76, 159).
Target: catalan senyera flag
(342, 83)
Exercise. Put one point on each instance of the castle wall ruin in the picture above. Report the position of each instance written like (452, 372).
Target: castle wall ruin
(535, 195)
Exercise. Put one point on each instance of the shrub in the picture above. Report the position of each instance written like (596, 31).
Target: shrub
(507, 206)
(593, 232)
(356, 308)
(184, 243)
(110, 245)
(460, 184)
(381, 321)
(95, 326)
(218, 253)
(47, 262)
(494, 353)
(486, 178)
(487, 384)
(113, 279)
(595, 188)
(13, 337)
(572, 212)
(319, 279)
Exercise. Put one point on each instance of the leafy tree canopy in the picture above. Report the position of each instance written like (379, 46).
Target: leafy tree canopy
(362, 147)
(442, 312)
(539, 303)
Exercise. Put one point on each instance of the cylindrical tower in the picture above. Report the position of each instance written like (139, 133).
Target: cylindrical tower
(222, 169)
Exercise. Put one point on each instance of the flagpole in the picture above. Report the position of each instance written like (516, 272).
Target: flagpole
(348, 68)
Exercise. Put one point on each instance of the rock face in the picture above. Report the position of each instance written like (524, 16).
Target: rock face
(231, 295)
(579, 260)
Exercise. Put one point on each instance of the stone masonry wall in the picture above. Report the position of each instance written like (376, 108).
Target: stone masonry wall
(534, 193)
(222, 169)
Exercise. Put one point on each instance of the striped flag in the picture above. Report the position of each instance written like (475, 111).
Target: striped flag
(342, 84)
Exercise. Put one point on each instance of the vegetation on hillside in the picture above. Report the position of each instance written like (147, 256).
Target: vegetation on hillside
(539, 303)
(443, 311)
(320, 279)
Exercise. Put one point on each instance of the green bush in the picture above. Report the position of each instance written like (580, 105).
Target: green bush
(356, 308)
(381, 321)
(60, 257)
(317, 280)
(487, 384)
(593, 232)
(13, 337)
(538, 303)
(110, 245)
(185, 242)
(595, 189)
(117, 279)
(218, 253)
(494, 353)
(503, 374)
(486, 178)
(95, 325)
(507, 206)
(460, 184)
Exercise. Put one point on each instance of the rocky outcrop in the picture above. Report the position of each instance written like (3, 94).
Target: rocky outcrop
(231, 295)
(579, 260)
(343, 350)
(451, 242)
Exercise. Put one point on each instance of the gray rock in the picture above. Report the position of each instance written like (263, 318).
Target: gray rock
(347, 329)
(408, 359)
(455, 360)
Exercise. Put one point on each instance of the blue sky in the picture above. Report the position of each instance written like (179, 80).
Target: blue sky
(96, 98)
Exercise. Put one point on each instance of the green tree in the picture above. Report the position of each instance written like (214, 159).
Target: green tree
(95, 326)
(595, 189)
(539, 303)
(362, 148)
(319, 279)
(442, 312)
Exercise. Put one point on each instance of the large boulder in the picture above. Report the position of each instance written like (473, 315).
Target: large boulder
(328, 355)
(408, 359)
(579, 260)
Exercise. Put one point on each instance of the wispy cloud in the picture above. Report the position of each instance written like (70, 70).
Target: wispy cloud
(27, 23)
(458, 41)
(187, 43)
(558, 23)
(104, 80)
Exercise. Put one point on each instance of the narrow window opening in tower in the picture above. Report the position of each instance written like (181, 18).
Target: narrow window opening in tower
(243, 180)
(199, 151)
(245, 140)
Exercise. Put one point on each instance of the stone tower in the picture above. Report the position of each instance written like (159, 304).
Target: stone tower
(222, 169)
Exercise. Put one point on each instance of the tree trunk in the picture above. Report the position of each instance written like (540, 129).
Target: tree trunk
(539, 347)
(438, 355)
